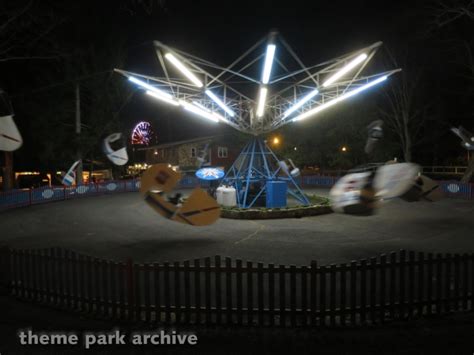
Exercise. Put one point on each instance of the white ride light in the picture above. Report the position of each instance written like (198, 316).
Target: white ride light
(347, 68)
(339, 99)
(182, 68)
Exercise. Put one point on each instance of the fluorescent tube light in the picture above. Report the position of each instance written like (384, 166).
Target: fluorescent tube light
(300, 103)
(267, 68)
(181, 67)
(338, 99)
(261, 101)
(348, 67)
(198, 111)
(148, 86)
(220, 103)
(166, 98)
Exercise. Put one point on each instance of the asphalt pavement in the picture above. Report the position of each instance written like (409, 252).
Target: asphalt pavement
(121, 225)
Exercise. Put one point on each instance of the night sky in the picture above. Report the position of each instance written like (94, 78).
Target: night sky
(317, 31)
(220, 31)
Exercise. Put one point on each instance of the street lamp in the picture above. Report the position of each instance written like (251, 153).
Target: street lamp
(344, 149)
(276, 140)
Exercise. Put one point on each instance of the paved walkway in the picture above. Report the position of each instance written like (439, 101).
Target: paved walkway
(122, 225)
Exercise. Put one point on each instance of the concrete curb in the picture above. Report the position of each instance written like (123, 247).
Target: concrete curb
(296, 212)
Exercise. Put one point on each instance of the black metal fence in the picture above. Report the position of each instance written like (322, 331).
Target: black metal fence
(398, 285)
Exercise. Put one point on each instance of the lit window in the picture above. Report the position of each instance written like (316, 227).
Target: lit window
(222, 152)
(193, 152)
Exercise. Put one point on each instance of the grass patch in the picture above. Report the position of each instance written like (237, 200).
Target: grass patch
(318, 205)
(314, 200)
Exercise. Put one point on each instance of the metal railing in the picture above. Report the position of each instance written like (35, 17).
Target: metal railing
(444, 170)
(28, 197)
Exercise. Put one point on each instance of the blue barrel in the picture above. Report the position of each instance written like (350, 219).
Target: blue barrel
(276, 194)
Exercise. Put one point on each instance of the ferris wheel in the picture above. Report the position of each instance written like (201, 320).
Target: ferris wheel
(286, 92)
(142, 133)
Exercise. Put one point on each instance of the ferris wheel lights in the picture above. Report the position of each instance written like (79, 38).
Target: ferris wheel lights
(339, 99)
(267, 68)
(181, 67)
(261, 101)
(220, 103)
(300, 103)
(163, 96)
(344, 70)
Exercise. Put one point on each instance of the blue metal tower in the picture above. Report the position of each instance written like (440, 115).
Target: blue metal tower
(256, 166)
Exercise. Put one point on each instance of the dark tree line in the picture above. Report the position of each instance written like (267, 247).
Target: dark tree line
(48, 48)
(433, 92)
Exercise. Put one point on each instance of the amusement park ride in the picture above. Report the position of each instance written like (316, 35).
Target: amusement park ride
(285, 93)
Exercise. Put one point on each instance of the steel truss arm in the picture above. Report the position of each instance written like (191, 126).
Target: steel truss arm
(292, 84)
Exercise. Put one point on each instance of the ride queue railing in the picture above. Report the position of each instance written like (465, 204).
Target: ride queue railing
(45, 194)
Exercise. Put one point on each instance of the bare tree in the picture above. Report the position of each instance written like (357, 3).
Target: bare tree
(447, 11)
(469, 74)
(23, 36)
(404, 112)
(148, 6)
(24, 33)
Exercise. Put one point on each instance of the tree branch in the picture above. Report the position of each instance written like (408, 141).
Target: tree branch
(8, 59)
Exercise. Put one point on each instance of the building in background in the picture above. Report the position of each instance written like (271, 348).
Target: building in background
(221, 152)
